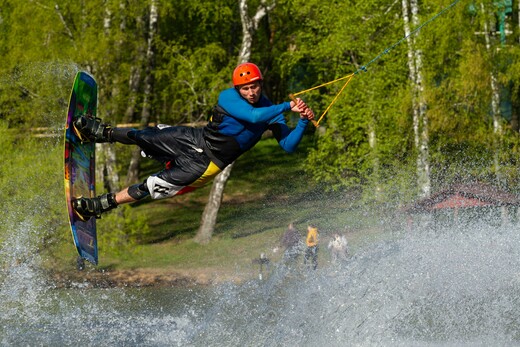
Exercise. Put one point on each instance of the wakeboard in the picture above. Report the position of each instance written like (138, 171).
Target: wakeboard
(80, 164)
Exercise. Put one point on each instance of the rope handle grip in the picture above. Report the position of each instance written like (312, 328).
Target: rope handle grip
(291, 96)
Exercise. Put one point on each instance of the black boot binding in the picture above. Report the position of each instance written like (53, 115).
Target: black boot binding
(94, 207)
(90, 129)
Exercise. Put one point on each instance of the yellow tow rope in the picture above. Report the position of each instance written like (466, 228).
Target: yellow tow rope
(348, 78)
(364, 68)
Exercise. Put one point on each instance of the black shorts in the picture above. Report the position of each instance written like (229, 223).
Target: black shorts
(183, 151)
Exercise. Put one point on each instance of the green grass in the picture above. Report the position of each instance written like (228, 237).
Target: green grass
(267, 190)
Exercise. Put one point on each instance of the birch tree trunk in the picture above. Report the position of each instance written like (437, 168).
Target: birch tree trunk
(420, 116)
(106, 169)
(134, 83)
(133, 169)
(134, 80)
(495, 102)
(372, 142)
(374, 151)
(209, 216)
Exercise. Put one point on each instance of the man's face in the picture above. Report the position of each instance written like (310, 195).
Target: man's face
(251, 91)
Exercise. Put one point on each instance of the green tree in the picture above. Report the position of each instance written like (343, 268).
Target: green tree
(336, 42)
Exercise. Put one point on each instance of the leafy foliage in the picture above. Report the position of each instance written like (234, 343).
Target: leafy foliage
(366, 140)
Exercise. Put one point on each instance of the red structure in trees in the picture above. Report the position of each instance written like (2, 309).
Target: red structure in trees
(476, 201)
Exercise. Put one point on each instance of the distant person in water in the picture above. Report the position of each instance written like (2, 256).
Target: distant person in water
(292, 242)
(338, 246)
(194, 156)
(311, 253)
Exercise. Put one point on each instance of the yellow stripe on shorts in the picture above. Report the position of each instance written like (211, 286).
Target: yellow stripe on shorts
(210, 172)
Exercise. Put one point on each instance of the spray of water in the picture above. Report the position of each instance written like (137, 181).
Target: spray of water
(452, 286)
(34, 312)
(455, 286)
(458, 286)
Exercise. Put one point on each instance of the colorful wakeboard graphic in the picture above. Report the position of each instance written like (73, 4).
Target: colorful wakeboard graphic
(80, 165)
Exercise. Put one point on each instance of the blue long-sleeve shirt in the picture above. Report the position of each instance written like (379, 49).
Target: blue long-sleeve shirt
(237, 125)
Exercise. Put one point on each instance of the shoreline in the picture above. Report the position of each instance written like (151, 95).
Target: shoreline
(140, 278)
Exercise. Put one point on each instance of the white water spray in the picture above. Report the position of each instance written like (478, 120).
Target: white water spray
(458, 286)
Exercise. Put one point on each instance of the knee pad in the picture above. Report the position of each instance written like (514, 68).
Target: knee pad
(138, 191)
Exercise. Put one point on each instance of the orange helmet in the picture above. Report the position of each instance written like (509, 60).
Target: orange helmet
(246, 73)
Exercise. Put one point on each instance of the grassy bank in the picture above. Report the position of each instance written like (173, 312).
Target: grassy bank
(267, 190)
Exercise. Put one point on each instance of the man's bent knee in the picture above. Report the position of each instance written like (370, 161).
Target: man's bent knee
(160, 189)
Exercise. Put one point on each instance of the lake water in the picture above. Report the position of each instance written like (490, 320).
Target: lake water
(448, 288)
